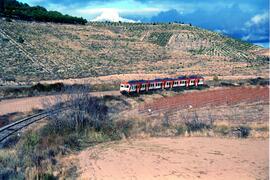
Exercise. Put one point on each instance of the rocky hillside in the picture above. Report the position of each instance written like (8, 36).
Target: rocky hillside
(35, 51)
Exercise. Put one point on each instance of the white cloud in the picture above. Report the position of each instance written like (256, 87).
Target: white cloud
(258, 19)
(110, 14)
(92, 11)
(256, 29)
(222, 31)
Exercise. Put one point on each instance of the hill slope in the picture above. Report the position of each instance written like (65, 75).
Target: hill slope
(34, 51)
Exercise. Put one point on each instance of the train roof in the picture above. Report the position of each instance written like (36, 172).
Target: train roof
(195, 77)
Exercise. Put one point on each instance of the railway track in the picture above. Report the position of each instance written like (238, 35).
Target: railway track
(12, 128)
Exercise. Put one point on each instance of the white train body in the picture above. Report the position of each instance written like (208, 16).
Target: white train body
(167, 83)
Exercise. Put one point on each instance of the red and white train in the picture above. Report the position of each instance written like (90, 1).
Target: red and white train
(141, 86)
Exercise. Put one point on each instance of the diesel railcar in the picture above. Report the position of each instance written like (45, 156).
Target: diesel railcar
(140, 86)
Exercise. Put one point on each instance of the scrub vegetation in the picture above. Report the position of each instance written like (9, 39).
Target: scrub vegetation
(89, 121)
(105, 48)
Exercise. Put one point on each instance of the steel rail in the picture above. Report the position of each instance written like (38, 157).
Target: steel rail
(10, 129)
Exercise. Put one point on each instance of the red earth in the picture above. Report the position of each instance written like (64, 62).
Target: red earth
(216, 97)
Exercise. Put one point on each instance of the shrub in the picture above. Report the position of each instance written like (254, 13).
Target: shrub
(8, 19)
(241, 131)
(215, 78)
(259, 81)
(165, 122)
(48, 87)
(125, 127)
(20, 40)
(8, 165)
(180, 130)
(195, 124)
(160, 38)
(23, 11)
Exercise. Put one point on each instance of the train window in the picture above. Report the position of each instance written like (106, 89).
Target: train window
(122, 85)
(168, 83)
(183, 82)
(127, 86)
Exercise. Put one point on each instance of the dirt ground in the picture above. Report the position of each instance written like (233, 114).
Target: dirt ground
(28, 104)
(175, 158)
(201, 98)
(213, 98)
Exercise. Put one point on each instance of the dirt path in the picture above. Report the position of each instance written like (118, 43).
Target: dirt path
(176, 158)
(29, 103)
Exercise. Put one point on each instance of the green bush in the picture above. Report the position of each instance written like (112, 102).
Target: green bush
(48, 87)
(195, 125)
(215, 78)
(23, 11)
(160, 38)
(20, 40)
(180, 130)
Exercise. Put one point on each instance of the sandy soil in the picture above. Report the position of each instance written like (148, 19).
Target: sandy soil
(175, 158)
(30, 103)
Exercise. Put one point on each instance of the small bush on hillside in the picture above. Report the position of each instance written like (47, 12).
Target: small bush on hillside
(8, 19)
(259, 81)
(48, 87)
(160, 38)
(241, 132)
(195, 124)
(215, 78)
(180, 130)
(20, 40)
(125, 127)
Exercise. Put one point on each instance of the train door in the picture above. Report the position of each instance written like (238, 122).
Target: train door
(187, 82)
(196, 82)
(163, 84)
(147, 86)
(138, 87)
